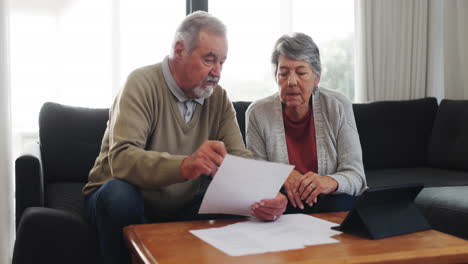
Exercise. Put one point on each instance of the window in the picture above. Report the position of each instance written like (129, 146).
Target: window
(57, 55)
(147, 30)
(79, 52)
(254, 26)
(331, 24)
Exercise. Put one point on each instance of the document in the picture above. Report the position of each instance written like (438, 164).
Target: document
(240, 182)
(294, 231)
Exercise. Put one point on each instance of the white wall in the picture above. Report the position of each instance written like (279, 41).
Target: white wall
(6, 188)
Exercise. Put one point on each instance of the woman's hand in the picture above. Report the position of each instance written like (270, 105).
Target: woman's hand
(292, 182)
(313, 184)
(270, 210)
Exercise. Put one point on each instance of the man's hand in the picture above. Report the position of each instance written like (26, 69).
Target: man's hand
(270, 210)
(294, 179)
(205, 160)
(313, 184)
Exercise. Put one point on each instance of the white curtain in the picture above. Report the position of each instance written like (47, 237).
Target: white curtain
(447, 54)
(411, 49)
(391, 49)
(6, 186)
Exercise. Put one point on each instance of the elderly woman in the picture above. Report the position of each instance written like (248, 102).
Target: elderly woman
(309, 127)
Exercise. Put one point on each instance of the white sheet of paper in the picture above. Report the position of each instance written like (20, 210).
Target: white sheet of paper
(240, 182)
(294, 231)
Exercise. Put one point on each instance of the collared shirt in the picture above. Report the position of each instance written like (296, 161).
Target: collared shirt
(186, 104)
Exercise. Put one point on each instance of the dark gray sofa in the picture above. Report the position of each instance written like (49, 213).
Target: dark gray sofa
(418, 141)
(403, 142)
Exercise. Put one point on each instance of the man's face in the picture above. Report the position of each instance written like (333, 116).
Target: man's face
(202, 67)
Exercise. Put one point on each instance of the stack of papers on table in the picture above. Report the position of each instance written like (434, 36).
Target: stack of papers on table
(294, 231)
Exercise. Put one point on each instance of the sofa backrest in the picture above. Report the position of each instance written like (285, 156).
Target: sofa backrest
(70, 139)
(448, 147)
(395, 134)
(241, 107)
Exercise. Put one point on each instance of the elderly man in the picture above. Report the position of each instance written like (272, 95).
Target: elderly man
(168, 131)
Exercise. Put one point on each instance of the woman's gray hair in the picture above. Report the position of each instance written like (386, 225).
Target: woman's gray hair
(191, 26)
(297, 46)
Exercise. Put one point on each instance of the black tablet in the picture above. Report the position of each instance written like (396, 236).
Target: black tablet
(385, 211)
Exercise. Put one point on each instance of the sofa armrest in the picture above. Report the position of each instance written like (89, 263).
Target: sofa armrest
(29, 180)
(47, 235)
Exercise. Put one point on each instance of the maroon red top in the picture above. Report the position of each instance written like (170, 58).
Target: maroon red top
(300, 140)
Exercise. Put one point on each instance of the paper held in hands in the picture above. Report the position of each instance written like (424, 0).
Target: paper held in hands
(241, 182)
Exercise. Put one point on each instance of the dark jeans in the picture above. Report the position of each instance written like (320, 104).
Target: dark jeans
(112, 206)
(116, 204)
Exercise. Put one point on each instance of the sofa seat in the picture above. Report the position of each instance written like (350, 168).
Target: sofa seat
(446, 209)
(65, 196)
(430, 177)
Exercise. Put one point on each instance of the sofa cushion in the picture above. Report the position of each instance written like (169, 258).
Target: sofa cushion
(446, 209)
(70, 140)
(65, 196)
(448, 146)
(395, 134)
(430, 177)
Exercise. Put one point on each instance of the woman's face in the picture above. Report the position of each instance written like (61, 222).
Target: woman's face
(296, 81)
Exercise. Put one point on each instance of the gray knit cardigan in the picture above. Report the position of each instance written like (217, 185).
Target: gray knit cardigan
(339, 151)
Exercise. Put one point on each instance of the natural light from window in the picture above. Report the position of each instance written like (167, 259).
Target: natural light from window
(80, 52)
(254, 26)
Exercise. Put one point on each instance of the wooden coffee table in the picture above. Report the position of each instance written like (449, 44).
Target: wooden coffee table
(172, 243)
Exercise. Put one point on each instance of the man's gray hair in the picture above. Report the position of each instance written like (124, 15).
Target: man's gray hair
(191, 26)
(297, 46)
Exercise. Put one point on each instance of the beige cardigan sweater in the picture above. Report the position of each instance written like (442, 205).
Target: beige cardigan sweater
(147, 138)
(338, 147)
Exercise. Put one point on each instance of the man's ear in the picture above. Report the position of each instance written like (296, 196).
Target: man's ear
(179, 49)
